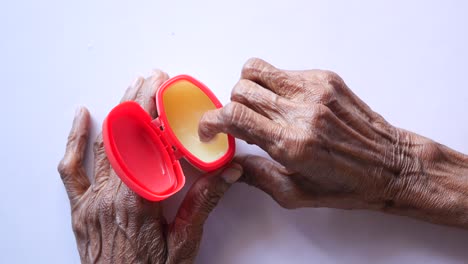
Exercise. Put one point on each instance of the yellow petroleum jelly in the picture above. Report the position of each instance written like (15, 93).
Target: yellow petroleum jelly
(184, 104)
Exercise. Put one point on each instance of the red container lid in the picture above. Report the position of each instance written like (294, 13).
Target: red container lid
(145, 153)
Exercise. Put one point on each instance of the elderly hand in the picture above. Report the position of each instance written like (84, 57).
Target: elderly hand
(332, 150)
(114, 225)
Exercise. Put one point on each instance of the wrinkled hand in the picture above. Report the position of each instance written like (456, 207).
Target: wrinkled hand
(331, 149)
(114, 225)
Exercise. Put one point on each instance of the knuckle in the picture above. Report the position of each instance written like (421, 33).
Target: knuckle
(299, 146)
(252, 65)
(432, 151)
(206, 198)
(308, 141)
(289, 147)
(242, 89)
(72, 138)
(62, 167)
(78, 227)
(318, 116)
(67, 166)
(205, 119)
(78, 138)
(332, 80)
(327, 94)
(327, 90)
(282, 142)
(283, 80)
(232, 114)
(328, 76)
(229, 110)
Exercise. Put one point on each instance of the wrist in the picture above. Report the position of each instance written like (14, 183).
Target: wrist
(432, 184)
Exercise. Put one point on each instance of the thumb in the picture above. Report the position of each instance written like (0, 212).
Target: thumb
(205, 194)
(186, 230)
(268, 176)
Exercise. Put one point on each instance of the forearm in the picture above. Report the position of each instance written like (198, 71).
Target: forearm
(436, 188)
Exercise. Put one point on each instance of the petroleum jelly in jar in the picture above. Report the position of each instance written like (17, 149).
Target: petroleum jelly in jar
(185, 104)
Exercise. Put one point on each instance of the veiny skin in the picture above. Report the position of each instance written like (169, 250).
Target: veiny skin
(114, 225)
(331, 150)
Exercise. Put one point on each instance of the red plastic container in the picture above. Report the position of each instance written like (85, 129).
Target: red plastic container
(145, 153)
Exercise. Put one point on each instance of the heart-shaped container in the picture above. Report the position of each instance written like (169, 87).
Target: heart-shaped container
(145, 153)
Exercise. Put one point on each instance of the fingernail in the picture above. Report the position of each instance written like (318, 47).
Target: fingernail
(232, 173)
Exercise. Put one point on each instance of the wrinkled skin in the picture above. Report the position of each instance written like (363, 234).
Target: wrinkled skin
(114, 225)
(331, 150)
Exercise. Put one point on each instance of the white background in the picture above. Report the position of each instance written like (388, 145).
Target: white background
(407, 59)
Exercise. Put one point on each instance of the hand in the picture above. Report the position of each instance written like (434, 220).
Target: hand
(114, 225)
(331, 149)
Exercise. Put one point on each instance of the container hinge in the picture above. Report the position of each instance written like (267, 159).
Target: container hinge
(169, 146)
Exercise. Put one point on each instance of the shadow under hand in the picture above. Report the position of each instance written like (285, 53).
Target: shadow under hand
(249, 227)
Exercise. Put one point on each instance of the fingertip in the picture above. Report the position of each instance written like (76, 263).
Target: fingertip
(236, 166)
(160, 74)
(204, 137)
(81, 111)
(81, 119)
(132, 90)
(232, 173)
(254, 63)
(205, 129)
(137, 82)
(254, 166)
(78, 111)
(254, 66)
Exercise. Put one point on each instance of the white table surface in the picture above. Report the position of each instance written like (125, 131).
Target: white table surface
(407, 59)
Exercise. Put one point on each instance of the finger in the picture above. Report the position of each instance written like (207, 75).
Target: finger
(187, 228)
(243, 123)
(205, 194)
(101, 163)
(132, 90)
(268, 176)
(71, 167)
(142, 91)
(260, 100)
(268, 76)
(147, 93)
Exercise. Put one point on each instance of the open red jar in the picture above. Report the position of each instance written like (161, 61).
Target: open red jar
(145, 153)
